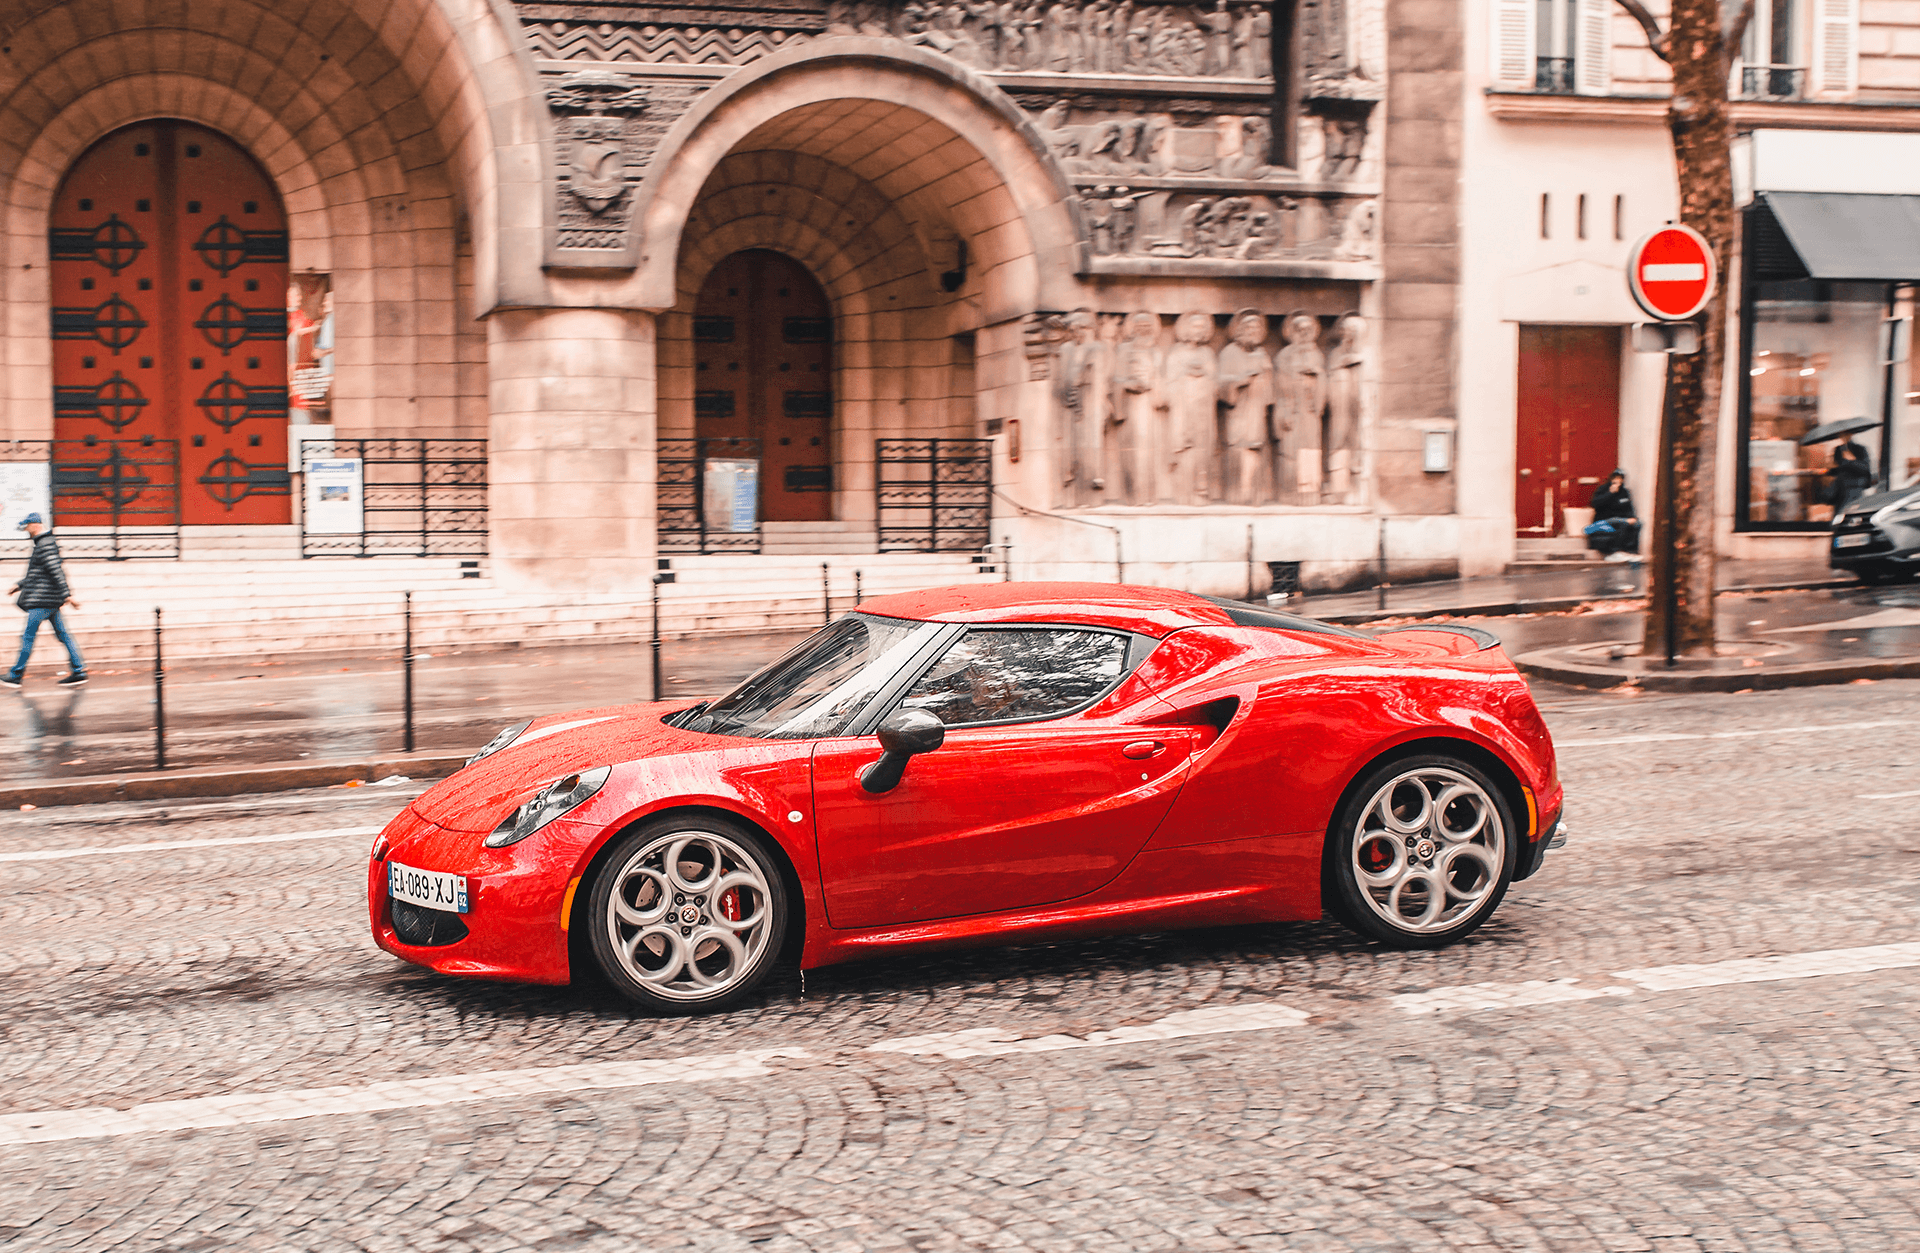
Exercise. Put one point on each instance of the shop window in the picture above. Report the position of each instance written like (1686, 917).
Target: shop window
(1815, 357)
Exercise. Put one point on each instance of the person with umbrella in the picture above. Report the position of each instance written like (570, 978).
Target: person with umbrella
(1851, 475)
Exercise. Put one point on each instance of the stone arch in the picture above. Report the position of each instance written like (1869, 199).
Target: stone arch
(928, 134)
(379, 137)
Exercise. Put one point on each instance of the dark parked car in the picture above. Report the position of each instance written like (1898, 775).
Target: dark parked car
(1878, 537)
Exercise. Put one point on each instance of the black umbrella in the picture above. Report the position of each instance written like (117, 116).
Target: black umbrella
(1834, 430)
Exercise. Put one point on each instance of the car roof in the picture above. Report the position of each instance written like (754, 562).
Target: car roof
(1155, 611)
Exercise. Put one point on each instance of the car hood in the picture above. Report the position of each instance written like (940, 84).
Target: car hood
(1880, 500)
(478, 796)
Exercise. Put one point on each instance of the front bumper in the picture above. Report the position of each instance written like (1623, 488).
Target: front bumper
(512, 930)
(1891, 544)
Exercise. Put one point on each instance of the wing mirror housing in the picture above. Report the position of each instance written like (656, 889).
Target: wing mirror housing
(904, 733)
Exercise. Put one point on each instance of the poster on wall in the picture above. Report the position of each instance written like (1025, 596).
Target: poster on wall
(310, 348)
(334, 496)
(733, 494)
(25, 487)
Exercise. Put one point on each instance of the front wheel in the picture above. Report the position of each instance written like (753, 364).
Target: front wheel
(1421, 853)
(687, 914)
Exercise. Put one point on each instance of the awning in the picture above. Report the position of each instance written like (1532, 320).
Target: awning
(1851, 235)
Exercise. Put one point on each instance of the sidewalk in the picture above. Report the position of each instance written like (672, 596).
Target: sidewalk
(234, 728)
(1548, 591)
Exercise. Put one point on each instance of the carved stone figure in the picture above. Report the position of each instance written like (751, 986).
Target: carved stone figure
(1346, 141)
(1356, 233)
(1345, 365)
(1300, 397)
(1246, 396)
(1140, 471)
(1123, 223)
(1189, 381)
(1083, 386)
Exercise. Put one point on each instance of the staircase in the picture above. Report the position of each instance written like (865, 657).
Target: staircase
(260, 609)
(1561, 552)
(810, 538)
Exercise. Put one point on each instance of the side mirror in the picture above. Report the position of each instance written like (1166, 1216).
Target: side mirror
(904, 733)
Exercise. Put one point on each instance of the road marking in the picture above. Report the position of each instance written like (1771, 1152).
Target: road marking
(1834, 961)
(108, 850)
(998, 1041)
(248, 1108)
(1500, 996)
(1675, 736)
(1885, 796)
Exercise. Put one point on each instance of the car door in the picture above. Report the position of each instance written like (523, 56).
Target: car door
(1028, 802)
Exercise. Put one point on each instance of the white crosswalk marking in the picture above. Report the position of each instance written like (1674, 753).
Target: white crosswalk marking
(997, 1042)
(1838, 961)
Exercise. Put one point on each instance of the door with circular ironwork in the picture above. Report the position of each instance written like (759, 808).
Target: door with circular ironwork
(169, 273)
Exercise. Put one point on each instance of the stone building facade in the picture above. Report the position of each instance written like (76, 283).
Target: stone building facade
(1190, 269)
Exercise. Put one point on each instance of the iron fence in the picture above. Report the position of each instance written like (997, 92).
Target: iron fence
(696, 505)
(933, 495)
(419, 498)
(113, 499)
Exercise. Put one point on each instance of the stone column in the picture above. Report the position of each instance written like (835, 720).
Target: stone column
(571, 449)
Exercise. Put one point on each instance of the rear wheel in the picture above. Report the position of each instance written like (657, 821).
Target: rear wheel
(687, 914)
(1421, 853)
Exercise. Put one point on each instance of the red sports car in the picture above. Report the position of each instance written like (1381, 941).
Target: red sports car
(985, 765)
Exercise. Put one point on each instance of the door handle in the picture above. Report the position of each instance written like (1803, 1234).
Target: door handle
(1142, 749)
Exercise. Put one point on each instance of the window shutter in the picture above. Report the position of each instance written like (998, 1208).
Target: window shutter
(1513, 45)
(1836, 40)
(1593, 48)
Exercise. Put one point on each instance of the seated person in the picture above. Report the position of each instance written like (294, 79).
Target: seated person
(1615, 530)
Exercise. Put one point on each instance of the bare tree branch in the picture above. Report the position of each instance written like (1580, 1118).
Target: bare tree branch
(1656, 40)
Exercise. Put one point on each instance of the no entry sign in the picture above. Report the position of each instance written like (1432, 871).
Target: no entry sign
(1671, 273)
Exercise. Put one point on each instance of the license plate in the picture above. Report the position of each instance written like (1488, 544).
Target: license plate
(1852, 541)
(429, 888)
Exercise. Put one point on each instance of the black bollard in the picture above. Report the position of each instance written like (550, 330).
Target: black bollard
(656, 638)
(406, 669)
(826, 595)
(857, 597)
(159, 698)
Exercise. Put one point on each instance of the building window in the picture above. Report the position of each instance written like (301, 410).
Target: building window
(1770, 68)
(1580, 217)
(1814, 357)
(1545, 204)
(1557, 46)
(1555, 25)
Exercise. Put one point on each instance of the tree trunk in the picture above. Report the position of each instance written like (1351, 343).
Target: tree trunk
(1680, 581)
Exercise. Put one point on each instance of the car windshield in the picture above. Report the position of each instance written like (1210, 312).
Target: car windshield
(820, 687)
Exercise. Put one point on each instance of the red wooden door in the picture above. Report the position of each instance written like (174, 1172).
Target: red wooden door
(763, 353)
(169, 273)
(1567, 439)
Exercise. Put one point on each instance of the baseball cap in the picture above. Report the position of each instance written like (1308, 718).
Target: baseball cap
(30, 520)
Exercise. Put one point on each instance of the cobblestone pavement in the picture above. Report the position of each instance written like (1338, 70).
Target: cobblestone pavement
(1549, 1085)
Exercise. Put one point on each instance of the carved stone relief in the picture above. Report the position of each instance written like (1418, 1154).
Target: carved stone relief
(596, 123)
(1200, 414)
(590, 42)
(1124, 222)
(1076, 36)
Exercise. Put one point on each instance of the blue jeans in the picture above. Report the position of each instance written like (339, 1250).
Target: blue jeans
(34, 618)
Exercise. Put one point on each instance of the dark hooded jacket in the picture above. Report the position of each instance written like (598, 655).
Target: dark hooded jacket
(44, 585)
(1611, 504)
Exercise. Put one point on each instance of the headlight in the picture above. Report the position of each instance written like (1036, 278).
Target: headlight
(562, 796)
(507, 736)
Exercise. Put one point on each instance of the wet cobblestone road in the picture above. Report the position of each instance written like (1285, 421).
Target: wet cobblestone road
(1551, 1084)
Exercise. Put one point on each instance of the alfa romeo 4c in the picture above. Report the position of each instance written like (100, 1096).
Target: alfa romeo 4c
(978, 765)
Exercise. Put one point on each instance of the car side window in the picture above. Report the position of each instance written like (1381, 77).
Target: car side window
(1012, 674)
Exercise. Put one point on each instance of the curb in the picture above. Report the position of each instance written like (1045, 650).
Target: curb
(1543, 665)
(272, 777)
(1510, 608)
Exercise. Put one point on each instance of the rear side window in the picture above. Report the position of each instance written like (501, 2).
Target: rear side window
(1015, 674)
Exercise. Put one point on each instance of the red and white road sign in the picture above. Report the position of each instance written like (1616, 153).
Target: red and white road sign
(1671, 273)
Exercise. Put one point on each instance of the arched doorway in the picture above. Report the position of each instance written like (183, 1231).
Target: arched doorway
(763, 371)
(169, 273)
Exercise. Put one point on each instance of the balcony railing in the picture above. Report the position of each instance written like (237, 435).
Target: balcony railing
(1553, 74)
(1772, 82)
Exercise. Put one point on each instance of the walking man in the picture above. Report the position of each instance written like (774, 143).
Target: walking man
(43, 593)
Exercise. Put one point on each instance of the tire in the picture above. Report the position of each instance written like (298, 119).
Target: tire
(1409, 826)
(688, 913)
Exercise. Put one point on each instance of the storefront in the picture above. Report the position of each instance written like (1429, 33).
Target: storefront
(1826, 326)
